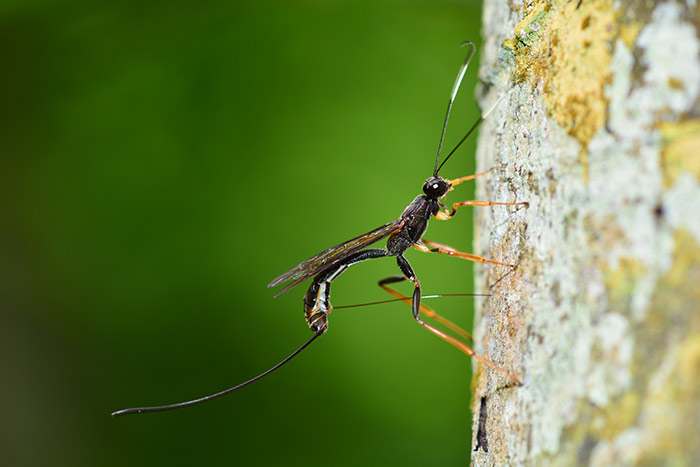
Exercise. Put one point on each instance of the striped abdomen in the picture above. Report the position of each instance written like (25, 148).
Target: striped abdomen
(317, 301)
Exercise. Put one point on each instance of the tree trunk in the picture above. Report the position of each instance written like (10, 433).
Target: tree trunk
(600, 132)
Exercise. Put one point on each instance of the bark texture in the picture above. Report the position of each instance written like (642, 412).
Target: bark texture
(600, 132)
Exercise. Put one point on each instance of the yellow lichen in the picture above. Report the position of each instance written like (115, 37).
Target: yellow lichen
(689, 364)
(670, 409)
(681, 151)
(566, 52)
(621, 282)
(479, 374)
(686, 266)
(618, 415)
(629, 33)
(669, 412)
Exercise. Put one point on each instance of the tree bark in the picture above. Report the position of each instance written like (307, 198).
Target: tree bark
(599, 131)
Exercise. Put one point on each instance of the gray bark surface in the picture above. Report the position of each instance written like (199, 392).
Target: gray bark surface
(600, 133)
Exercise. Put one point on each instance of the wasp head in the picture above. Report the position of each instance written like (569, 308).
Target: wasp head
(436, 187)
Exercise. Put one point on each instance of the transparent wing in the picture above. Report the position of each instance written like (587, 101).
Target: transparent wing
(333, 255)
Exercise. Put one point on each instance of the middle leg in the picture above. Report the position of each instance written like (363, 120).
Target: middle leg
(407, 271)
(426, 311)
(429, 246)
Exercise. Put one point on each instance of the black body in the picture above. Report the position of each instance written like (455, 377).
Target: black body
(408, 230)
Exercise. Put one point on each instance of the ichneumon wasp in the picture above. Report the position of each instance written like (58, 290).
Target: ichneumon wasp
(402, 234)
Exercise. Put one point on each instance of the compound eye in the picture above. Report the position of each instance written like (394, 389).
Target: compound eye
(435, 187)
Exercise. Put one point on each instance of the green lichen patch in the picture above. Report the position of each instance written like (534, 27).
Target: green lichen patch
(527, 31)
(681, 150)
(566, 52)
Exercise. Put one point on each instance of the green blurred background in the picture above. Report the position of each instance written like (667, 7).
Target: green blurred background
(162, 162)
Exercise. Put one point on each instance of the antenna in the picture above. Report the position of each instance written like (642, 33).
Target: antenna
(162, 408)
(471, 130)
(453, 94)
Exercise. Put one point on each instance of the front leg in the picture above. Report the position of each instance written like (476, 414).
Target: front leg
(457, 181)
(428, 246)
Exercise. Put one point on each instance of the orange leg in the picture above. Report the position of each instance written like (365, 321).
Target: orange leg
(429, 312)
(444, 215)
(467, 350)
(457, 181)
(446, 337)
(428, 246)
